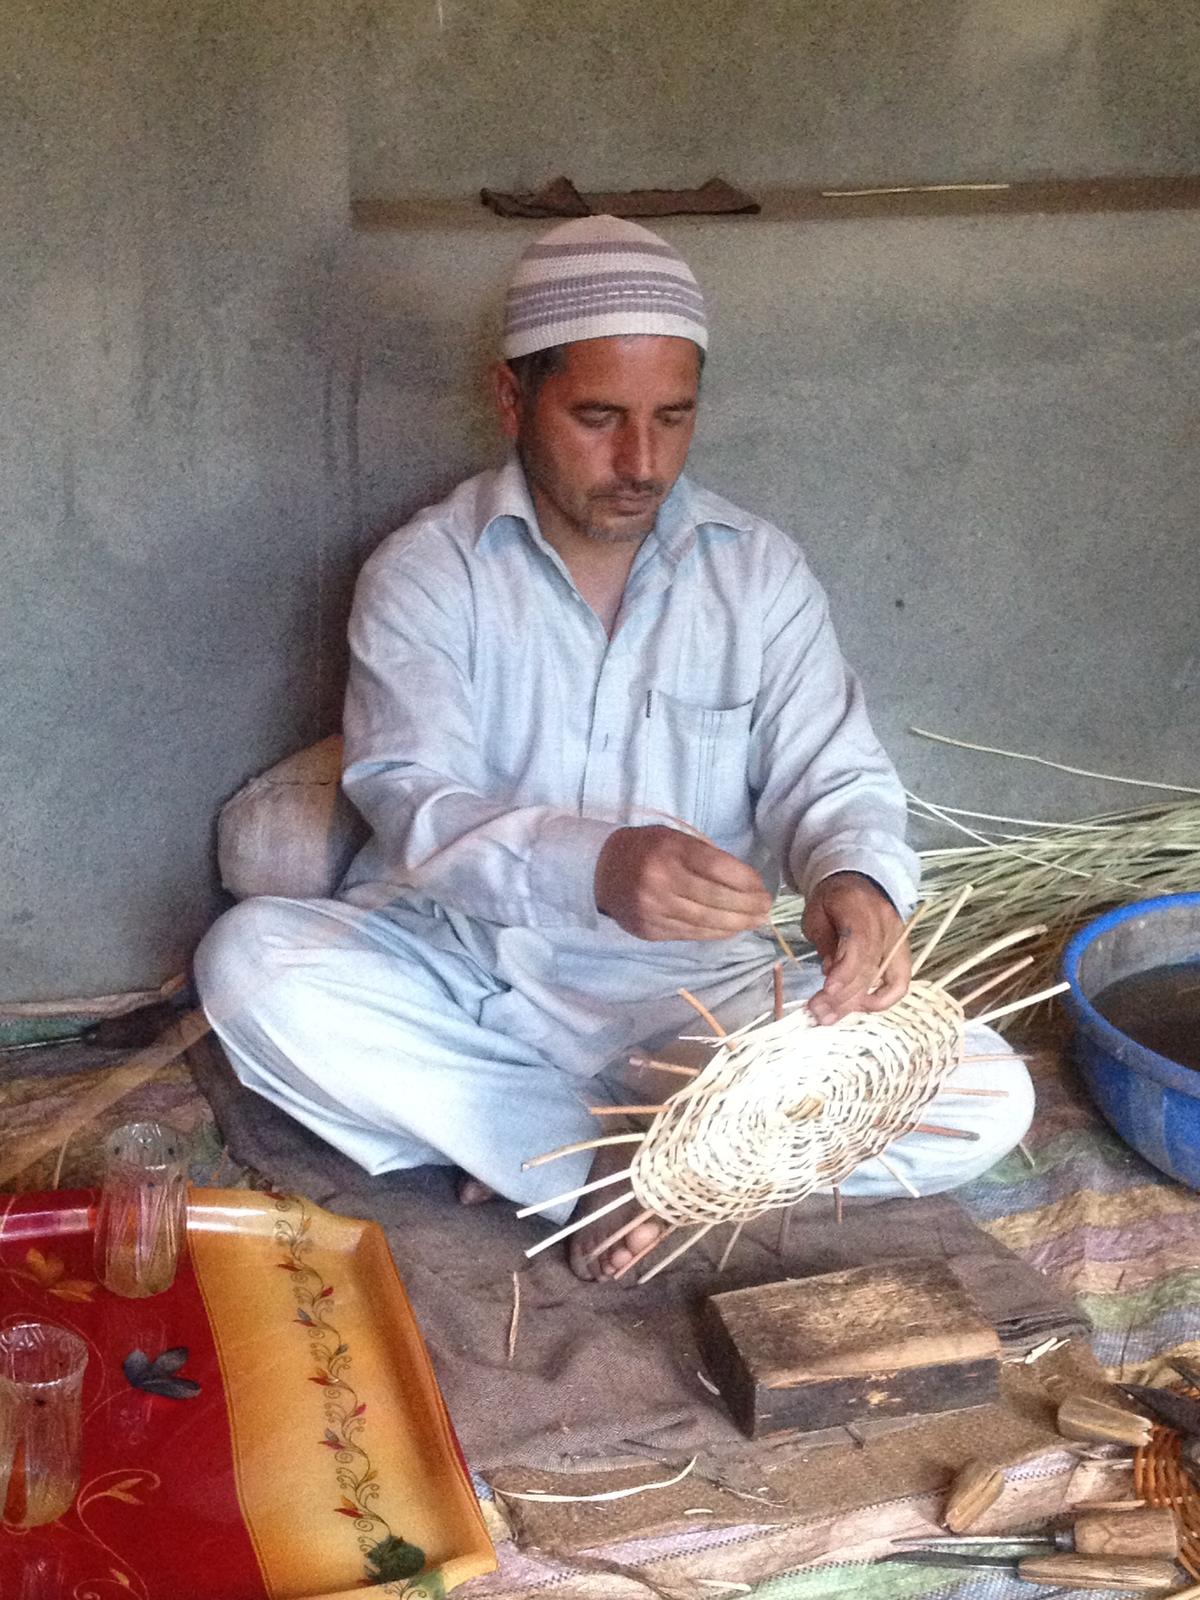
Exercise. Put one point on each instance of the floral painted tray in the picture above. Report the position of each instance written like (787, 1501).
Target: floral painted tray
(315, 1461)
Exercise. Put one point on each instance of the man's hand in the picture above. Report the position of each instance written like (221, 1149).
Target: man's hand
(853, 925)
(659, 883)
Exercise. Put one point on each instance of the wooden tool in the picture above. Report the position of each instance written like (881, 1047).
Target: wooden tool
(1147, 1531)
(1101, 1422)
(1128, 1574)
(1150, 1531)
(975, 1489)
(879, 1341)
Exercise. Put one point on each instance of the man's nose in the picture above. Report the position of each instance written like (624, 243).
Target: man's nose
(635, 453)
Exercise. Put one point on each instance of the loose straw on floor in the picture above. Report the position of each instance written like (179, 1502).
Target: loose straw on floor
(516, 1317)
(546, 1497)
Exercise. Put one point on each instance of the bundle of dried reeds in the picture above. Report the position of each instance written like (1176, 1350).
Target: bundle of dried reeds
(1059, 873)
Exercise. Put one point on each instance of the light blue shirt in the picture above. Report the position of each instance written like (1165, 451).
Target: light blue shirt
(496, 736)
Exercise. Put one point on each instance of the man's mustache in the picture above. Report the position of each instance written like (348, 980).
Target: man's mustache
(630, 486)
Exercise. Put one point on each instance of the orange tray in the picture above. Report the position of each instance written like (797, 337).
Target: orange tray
(317, 1460)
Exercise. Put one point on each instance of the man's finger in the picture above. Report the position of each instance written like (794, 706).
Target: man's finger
(817, 927)
(710, 894)
(891, 986)
(846, 987)
(851, 968)
(847, 977)
(713, 865)
(697, 914)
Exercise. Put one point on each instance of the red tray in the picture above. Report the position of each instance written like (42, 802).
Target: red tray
(316, 1462)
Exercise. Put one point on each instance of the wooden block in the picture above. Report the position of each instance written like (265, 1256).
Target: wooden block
(880, 1341)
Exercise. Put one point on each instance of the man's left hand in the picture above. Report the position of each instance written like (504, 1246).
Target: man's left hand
(853, 925)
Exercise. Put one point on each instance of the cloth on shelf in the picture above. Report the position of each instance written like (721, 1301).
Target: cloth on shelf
(560, 198)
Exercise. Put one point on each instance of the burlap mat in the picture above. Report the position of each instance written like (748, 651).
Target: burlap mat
(600, 1374)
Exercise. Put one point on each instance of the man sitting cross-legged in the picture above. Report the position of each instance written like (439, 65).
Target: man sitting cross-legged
(596, 715)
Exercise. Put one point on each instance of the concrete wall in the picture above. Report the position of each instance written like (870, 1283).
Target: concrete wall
(983, 431)
(176, 525)
(454, 94)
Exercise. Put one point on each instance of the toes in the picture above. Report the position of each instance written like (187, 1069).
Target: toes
(471, 1192)
(581, 1267)
(642, 1237)
(616, 1258)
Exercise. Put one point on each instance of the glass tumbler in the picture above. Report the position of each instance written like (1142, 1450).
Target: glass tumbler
(141, 1219)
(8, 1437)
(41, 1383)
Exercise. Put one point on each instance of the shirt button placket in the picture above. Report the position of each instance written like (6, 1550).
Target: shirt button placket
(606, 741)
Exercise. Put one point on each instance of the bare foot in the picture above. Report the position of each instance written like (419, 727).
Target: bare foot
(473, 1193)
(609, 1158)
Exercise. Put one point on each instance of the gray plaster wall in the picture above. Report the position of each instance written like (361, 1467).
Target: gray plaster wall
(177, 525)
(985, 433)
(454, 94)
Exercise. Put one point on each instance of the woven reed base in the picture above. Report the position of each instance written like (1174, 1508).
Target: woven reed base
(785, 1107)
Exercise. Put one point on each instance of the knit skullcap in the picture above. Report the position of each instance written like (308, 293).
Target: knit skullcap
(595, 277)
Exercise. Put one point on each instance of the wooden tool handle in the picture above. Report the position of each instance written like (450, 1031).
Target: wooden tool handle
(1100, 1422)
(1098, 1572)
(1148, 1532)
(975, 1489)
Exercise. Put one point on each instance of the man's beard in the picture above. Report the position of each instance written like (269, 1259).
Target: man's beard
(581, 517)
(619, 534)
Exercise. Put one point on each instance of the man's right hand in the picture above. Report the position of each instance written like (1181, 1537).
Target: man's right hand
(659, 883)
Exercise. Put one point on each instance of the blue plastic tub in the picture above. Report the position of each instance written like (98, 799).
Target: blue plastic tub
(1152, 1102)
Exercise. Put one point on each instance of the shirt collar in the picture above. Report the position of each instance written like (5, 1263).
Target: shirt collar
(505, 493)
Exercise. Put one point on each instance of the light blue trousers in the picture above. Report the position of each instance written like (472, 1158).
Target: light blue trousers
(373, 1039)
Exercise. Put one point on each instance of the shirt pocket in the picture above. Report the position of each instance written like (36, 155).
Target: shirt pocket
(697, 763)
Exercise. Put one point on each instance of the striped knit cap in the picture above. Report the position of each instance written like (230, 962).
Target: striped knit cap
(595, 277)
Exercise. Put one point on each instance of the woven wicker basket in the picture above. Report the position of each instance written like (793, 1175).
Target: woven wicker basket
(785, 1107)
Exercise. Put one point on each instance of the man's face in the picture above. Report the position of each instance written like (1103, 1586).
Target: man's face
(605, 438)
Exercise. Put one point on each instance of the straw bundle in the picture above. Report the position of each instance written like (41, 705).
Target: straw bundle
(1059, 873)
(1066, 874)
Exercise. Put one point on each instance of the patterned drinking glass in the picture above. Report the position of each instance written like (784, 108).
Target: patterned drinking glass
(41, 1379)
(141, 1220)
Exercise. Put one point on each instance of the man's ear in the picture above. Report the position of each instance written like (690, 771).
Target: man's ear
(509, 399)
